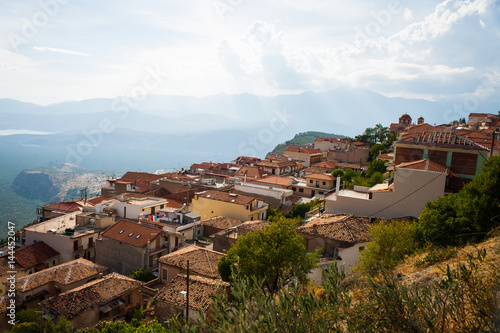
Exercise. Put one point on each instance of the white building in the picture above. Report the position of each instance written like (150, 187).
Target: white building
(415, 184)
(131, 207)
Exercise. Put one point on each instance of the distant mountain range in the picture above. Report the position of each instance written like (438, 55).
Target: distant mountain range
(343, 111)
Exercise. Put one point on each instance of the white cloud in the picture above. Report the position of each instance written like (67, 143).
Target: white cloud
(408, 15)
(53, 49)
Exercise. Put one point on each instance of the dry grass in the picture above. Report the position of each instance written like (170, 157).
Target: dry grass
(422, 275)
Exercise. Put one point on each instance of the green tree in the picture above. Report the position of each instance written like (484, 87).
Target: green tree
(63, 326)
(466, 216)
(349, 174)
(376, 166)
(31, 315)
(337, 172)
(276, 254)
(142, 275)
(372, 135)
(26, 327)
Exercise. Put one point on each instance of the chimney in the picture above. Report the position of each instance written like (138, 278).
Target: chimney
(337, 185)
(427, 164)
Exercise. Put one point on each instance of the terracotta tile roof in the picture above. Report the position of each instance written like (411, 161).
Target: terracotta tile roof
(140, 179)
(442, 139)
(343, 228)
(31, 255)
(252, 172)
(203, 165)
(97, 200)
(254, 225)
(420, 128)
(304, 150)
(479, 138)
(132, 233)
(325, 164)
(320, 176)
(5, 301)
(69, 206)
(276, 157)
(174, 204)
(422, 165)
(247, 159)
(237, 199)
(483, 115)
(276, 164)
(275, 180)
(158, 193)
(201, 261)
(359, 144)
(5, 266)
(64, 274)
(221, 222)
(90, 295)
(386, 156)
(200, 290)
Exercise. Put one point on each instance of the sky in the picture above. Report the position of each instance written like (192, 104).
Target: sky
(58, 50)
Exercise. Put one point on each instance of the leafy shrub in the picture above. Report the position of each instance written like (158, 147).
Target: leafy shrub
(391, 242)
(142, 275)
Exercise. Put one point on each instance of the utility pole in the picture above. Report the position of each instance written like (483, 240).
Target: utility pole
(187, 294)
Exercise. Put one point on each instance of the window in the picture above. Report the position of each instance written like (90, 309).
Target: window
(317, 183)
(294, 189)
(324, 183)
(161, 206)
(53, 262)
(164, 274)
(301, 190)
(310, 181)
(130, 234)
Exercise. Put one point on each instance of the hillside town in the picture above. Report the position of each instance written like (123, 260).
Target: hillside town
(77, 261)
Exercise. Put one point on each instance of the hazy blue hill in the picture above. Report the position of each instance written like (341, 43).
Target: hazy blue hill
(353, 109)
(11, 105)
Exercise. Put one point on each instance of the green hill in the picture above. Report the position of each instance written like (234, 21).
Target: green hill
(305, 139)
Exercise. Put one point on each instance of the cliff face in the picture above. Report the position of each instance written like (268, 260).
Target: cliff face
(35, 184)
(56, 183)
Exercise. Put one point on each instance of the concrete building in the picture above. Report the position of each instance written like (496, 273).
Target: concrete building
(132, 207)
(108, 298)
(171, 300)
(202, 262)
(275, 195)
(215, 203)
(58, 279)
(27, 260)
(339, 236)
(307, 155)
(415, 184)
(127, 246)
(327, 144)
(69, 235)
